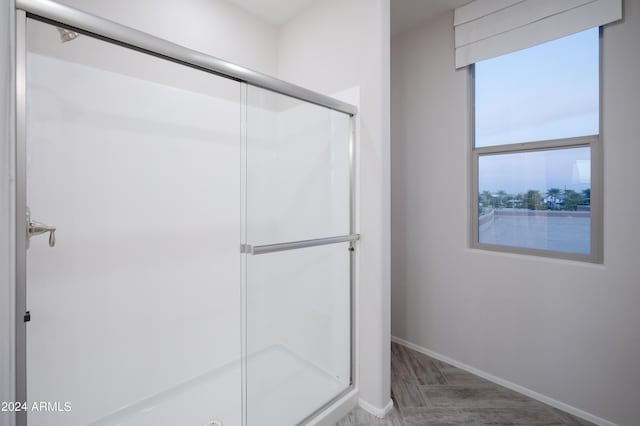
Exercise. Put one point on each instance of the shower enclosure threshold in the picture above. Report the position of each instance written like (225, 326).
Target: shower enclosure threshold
(283, 375)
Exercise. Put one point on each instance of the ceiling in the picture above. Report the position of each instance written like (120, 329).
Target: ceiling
(408, 13)
(275, 12)
(404, 13)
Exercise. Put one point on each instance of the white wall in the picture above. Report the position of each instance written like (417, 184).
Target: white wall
(568, 330)
(215, 27)
(331, 47)
(6, 238)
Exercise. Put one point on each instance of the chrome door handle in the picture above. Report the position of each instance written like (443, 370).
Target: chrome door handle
(37, 228)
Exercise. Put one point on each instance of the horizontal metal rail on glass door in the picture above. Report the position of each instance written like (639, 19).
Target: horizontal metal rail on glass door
(292, 245)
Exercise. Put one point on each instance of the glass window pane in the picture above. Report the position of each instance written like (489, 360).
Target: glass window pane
(537, 200)
(550, 91)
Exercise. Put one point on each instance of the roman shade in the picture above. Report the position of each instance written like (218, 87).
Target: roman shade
(488, 28)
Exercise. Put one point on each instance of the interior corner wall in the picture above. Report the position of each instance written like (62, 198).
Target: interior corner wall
(567, 330)
(332, 47)
(7, 370)
(215, 27)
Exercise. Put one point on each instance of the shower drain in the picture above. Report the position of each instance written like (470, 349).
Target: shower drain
(213, 423)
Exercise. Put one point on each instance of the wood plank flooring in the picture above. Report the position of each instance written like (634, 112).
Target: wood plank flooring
(428, 392)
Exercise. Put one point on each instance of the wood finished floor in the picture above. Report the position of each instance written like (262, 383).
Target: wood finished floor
(427, 392)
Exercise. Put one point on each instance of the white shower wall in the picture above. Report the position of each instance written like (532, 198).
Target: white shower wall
(215, 27)
(297, 168)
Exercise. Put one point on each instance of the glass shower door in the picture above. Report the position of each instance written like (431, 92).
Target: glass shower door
(298, 295)
(135, 310)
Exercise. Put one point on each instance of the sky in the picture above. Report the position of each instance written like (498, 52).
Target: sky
(538, 170)
(550, 91)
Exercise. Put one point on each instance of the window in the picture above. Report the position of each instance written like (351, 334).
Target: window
(537, 184)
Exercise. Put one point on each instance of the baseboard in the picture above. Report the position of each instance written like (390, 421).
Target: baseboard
(507, 384)
(378, 412)
(337, 410)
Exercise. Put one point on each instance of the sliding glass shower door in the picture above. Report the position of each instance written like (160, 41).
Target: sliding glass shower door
(298, 292)
(135, 307)
(189, 255)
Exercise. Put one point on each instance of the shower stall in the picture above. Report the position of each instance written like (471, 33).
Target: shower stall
(185, 233)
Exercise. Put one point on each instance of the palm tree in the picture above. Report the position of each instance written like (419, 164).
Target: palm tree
(554, 194)
(485, 198)
(572, 199)
(533, 200)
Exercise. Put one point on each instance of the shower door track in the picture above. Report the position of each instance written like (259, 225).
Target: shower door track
(94, 26)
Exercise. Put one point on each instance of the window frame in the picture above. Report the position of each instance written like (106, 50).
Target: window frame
(594, 142)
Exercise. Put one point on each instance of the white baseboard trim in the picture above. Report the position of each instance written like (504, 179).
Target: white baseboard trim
(507, 384)
(378, 412)
(337, 410)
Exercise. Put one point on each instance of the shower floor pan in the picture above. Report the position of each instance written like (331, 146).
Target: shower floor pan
(286, 390)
